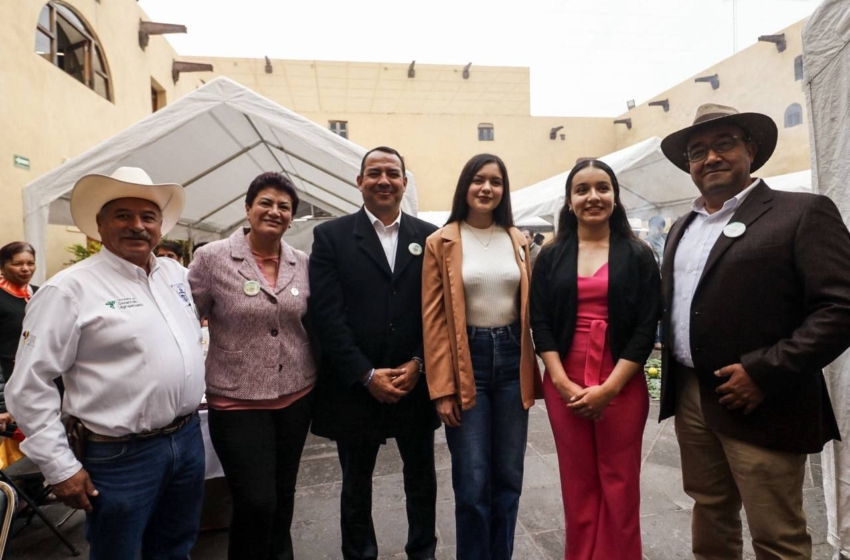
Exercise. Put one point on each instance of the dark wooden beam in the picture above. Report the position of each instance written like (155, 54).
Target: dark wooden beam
(627, 122)
(778, 40)
(663, 103)
(714, 80)
(148, 28)
(178, 67)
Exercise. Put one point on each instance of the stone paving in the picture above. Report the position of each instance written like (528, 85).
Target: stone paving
(665, 509)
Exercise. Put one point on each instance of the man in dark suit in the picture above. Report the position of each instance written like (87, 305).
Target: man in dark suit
(757, 300)
(366, 304)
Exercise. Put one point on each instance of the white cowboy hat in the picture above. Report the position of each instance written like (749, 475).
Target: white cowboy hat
(92, 192)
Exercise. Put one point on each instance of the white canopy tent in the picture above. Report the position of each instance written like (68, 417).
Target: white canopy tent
(214, 141)
(826, 64)
(649, 185)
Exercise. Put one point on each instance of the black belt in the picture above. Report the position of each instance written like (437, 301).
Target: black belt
(178, 423)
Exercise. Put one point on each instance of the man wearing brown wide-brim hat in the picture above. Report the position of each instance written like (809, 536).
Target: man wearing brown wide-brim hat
(757, 300)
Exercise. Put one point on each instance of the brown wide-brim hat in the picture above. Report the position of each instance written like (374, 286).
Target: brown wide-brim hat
(761, 129)
(92, 192)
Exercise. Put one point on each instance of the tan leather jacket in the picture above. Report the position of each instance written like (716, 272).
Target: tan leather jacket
(448, 364)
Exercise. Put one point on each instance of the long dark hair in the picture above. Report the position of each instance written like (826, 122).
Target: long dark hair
(619, 221)
(502, 214)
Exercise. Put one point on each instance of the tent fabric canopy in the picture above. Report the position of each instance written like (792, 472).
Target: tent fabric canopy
(649, 185)
(826, 68)
(213, 141)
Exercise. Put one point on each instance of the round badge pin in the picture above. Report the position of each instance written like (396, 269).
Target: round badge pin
(294, 291)
(734, 229)
(251, 288)
(415, 249)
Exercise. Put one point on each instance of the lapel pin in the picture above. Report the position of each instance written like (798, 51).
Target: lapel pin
(415, 249)
(251, 288)
(294, 291)
(734, 229)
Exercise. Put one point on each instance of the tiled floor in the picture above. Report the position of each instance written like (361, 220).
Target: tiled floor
(665, 509)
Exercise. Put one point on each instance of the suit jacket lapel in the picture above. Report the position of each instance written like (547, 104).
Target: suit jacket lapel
(406, 236)
(249, 269)
(756, 204)
(286, 269)
(677, 231)
(368, 242)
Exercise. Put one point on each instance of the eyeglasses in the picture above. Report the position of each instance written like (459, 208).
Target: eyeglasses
(722, 145)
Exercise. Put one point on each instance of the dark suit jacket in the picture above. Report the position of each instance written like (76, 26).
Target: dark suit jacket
(634, 297)
(366, 316)
(777, 300)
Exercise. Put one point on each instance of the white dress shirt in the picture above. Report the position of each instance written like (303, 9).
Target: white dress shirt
(689, 262)
(127, 345)
(387, 235)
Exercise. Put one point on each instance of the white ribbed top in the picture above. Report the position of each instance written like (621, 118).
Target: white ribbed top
(490, 276)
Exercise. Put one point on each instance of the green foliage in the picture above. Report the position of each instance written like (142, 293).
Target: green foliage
(81, 252)
(653, 378)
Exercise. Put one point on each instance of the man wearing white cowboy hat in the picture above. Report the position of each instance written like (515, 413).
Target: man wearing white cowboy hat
(121, 331)
(757, 300)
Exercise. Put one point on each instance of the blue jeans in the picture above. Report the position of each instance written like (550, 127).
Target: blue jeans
(489, 447)
(150, 494)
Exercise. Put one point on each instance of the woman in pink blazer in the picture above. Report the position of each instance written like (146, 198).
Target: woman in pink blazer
(253, 288)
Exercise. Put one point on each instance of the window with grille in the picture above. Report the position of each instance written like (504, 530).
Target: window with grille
(63, 39)
(485, 132)
(793, 115)
(339, 127)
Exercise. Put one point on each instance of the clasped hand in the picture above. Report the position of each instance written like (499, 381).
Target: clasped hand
(740, 391)
(389, 385)
(590, 402)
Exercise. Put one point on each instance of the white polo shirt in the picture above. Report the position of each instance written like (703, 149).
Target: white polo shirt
(127, 345)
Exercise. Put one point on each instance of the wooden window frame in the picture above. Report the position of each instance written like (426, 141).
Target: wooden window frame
(89, 42)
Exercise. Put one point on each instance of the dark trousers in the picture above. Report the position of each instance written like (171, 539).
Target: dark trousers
(260, 451)
(420, 488)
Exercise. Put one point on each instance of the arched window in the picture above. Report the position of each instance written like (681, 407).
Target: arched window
(798, 68)
(793, 115)
(485, 132)
(62, 38)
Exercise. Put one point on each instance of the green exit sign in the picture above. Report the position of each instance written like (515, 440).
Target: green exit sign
(21, 161)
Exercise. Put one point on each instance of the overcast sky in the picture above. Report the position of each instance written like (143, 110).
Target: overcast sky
(587, 57)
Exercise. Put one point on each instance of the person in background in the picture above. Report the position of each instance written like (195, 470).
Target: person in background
(482, 371)
(533, 247)
(120, 328)
(595, 302)
(366, 290)
(253, 289)
(17, 264)
(170, 250)
(656, 237)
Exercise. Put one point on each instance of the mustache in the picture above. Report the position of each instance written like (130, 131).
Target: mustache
(139, 236)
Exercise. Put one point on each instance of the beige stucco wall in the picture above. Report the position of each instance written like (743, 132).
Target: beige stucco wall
(432, 119)
(49, 117)
(759, 78)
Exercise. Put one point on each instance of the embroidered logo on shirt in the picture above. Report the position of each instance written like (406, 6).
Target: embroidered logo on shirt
(180, 290)
(123, 303)
(29, 338)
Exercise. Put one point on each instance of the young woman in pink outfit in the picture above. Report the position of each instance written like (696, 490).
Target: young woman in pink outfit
(595, 301)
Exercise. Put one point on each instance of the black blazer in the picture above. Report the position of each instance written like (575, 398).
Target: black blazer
(634, 298)
(777, 300)
(366, 316)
